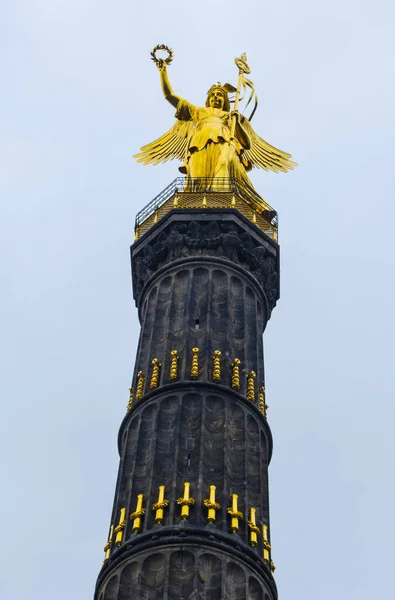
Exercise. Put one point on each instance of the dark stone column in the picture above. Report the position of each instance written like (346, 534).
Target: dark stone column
(207, 280)
(208, 303)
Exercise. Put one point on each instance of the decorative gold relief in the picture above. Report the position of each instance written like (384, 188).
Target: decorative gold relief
(212, 505)
(130, 403)
(251, 386)
(235, 514)
(155, 374)
(120, 527)
(254, 529)
(160, 505)
(137, 515)
(272, 566)
(107, 547)
(195, 363)
(266, 546)
(236, 374)
(174, 366)
(140, 385)
(217, 366)
(186, 502)
(262, 401)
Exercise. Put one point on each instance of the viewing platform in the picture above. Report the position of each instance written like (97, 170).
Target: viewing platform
(209, 194)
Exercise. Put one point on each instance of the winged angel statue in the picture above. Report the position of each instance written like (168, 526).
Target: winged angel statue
(213, 141)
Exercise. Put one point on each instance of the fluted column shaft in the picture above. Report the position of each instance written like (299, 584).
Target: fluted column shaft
(212, 293)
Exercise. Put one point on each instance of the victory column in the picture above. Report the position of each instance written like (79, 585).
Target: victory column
(190, 518)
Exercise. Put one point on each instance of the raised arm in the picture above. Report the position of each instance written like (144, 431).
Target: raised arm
(166, 87)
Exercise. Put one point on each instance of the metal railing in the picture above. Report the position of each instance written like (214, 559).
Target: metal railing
(216, 192)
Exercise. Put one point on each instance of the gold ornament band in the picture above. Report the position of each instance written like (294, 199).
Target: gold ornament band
(195, 363)
(155, 374)
(236, 374)
(174, 366)
(130, 403)
(251, 386)
(262, 401)
(217, 367)
(140, 385)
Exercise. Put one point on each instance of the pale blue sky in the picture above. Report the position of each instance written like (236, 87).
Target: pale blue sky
(79, 97)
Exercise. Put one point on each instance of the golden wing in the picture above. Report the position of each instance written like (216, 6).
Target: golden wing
(172, 144)
(265, 156)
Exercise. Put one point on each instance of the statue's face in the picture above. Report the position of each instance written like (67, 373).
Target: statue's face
(216, 99)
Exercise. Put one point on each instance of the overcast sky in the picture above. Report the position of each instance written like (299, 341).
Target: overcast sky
(79, 97)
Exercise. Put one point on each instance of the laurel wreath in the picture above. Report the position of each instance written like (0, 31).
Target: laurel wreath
(162, 61)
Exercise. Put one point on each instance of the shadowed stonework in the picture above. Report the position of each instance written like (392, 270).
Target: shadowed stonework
(191, 509)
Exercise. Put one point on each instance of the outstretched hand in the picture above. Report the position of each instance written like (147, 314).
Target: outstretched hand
(161, 65)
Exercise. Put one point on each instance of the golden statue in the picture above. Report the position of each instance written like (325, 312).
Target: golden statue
(213, 141)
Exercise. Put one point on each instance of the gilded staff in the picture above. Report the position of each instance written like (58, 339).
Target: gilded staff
(186, 501)
(235, 514)
(243, 68)
(107, 547)
(266, 545)
(160, 505)
(120, 527)
(137, 515)
(211, 504)
(254, 529)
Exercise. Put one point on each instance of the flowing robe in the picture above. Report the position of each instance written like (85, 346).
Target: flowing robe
(211, 153)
